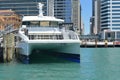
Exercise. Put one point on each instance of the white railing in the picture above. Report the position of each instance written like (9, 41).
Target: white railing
(45, 37)
(64, 34)
(43, 29)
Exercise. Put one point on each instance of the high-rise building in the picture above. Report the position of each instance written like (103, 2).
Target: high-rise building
(92, 25)
(82, 27)
(28, 7)
(95, 19)
(63, 10)
(69, 10)
(110, 19)
(76, 14)
(106, 15)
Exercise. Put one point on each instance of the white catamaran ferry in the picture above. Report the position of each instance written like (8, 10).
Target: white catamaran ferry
(44, 33)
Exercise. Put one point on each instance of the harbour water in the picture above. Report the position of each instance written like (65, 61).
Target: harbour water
(96, 64)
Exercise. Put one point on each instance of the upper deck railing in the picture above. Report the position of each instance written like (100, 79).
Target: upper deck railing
(36, 28)
(55, 33)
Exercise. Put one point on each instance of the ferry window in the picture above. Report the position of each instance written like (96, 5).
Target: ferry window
(29, 36)
(19, 39)
(34, 23)
(32, 37)
(44, 23)
(60, 36)
(53, 23)
(26, 23)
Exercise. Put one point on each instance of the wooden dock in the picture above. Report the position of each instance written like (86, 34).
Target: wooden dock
(88, 44)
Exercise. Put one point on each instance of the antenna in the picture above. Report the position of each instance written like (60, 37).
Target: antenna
(40, 7)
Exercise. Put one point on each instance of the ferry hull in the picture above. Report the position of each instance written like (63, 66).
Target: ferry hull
(61, 47)
(71, 48)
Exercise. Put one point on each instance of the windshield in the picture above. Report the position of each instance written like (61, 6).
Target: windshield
(40, 23)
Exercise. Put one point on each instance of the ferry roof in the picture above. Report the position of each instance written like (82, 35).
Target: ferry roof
(41, 18)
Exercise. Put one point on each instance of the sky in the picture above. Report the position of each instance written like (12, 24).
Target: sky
(86, 12)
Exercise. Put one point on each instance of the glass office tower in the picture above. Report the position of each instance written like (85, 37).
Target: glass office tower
(110, 18)
(110, 14)
(69, 10)
(63, 10)
(28, 7)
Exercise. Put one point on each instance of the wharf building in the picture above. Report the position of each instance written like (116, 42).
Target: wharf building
(9, 18)
(108, 18)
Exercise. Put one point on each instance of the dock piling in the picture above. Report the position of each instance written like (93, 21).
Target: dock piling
(9, 47)
(106, 43)
(96, 43)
